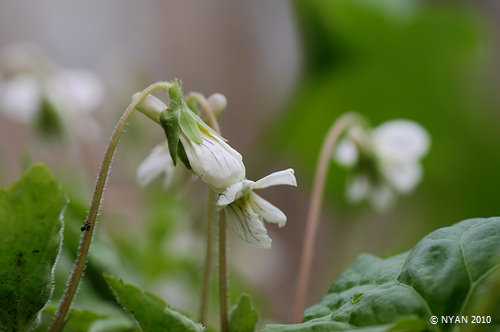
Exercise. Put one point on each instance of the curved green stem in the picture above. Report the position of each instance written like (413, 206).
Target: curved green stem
(88, 228)
(335, 131)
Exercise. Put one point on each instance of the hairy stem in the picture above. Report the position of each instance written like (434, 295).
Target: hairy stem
(205, 287)
(212, 121)
(335, 131)
(222, 273)
(88, 228)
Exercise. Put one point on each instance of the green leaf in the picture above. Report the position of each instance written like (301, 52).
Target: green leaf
(189, 126)
(170, 122)
(151, 312)
(30, 239)
(438, 277)
(243, 316)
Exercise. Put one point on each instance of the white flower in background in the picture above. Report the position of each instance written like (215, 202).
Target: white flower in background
(214, 161)
(246, 211)
(157, 163)
(20, 98)
(387, 161)
(29, 82)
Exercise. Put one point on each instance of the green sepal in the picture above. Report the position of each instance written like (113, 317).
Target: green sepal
(205, 126)
(170, 122)
(175, 94)
(243, 316)
(49, 121)
(189, 125)
(183, 156)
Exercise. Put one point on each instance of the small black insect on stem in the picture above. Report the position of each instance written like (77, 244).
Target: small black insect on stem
(85, 227)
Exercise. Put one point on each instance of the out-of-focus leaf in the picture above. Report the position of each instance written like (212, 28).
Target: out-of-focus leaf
(151, 312)
(243, 316)
(89, 321)
(30, 239)
(438, 277)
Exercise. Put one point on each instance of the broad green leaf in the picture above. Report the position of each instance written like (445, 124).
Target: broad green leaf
(170, 122)
(30, 239)
(151, 312)
(243, 316)
(440, 276)
(189, 126)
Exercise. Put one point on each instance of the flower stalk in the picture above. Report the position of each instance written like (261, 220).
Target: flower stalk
(89, 225)
(337, 129)
(223, 273)
(205, 287)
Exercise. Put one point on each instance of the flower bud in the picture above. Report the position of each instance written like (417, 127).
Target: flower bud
(217, 103)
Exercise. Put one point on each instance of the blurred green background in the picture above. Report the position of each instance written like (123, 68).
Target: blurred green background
(288, 69)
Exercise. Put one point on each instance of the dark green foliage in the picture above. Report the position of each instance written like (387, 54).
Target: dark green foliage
(440, 276)
(30, 239)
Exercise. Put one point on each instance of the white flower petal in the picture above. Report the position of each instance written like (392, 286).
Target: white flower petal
(217, 164)
(382, 198)
(234, 191)
(404, 177)
(400, 140)
(266, 210)
(346, 153)
(282, 177)
(358, 189)
(156, 163)
(246, 224)
(81, 89)
(20, 98)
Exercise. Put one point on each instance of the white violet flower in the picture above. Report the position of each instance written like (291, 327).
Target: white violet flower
(246, 211)
(216, 163)
(387, 161)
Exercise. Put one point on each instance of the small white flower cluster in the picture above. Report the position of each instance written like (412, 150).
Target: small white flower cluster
(216, 163)
(34, 91)
(386, 160)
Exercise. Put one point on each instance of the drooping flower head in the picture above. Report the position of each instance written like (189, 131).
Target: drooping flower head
(386, 160)
(246, 211)
(195, 143)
